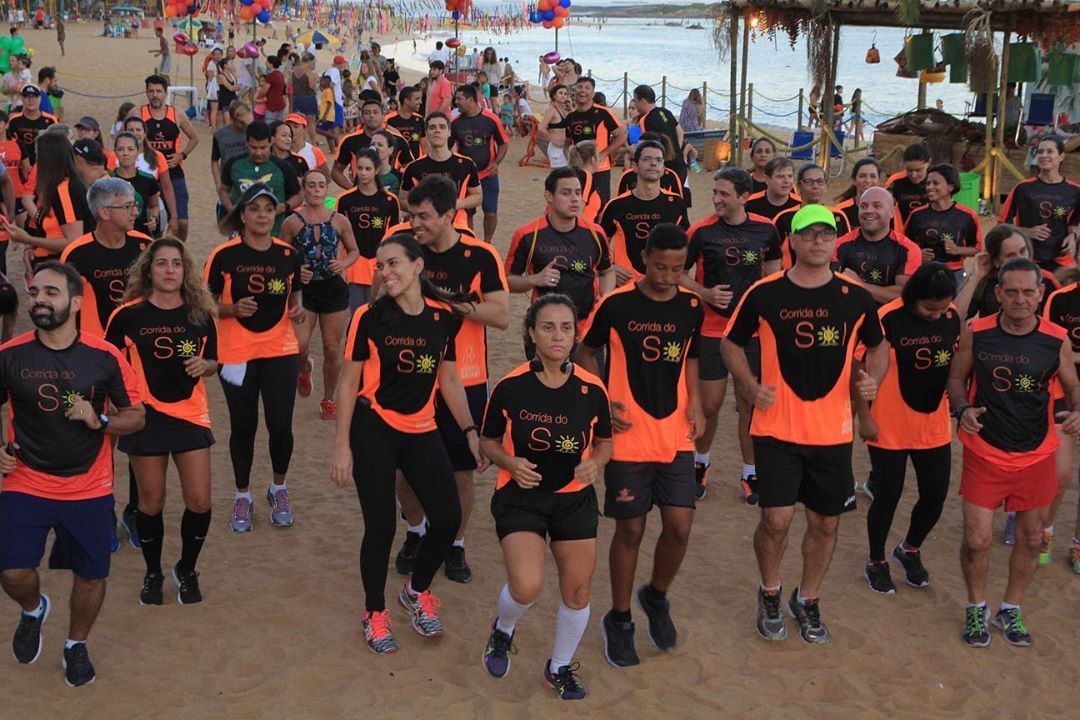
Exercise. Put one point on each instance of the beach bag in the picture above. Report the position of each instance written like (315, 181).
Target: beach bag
(919, 51)
(1024, 63)
(873, 57)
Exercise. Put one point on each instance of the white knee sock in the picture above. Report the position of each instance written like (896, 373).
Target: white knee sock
(569, 628)
(510, 611)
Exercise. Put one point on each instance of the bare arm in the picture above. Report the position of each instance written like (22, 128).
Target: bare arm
(337, 174)
(881, 293)
(348, 240)
(348, 383)
(8, 186)
(493, 310)
(473, 197)
(607, 281)
(192, 139)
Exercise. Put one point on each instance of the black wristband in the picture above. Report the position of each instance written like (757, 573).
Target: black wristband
(466, 430)
(960, 411)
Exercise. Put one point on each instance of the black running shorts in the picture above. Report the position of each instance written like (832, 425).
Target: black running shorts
(562, 516)
(457, 445)
(818, 476)
(326, 296)
(711, 364)
(632, 488)
(165, 435)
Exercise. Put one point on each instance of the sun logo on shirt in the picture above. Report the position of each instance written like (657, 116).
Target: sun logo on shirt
(425, 364)
(672, 352)
(875, 276)
(578, 266)
(942, 358)
(947, 238)
(377, 223)
(750, 257)
(1025, 383)
(187, 348)
(1060, 212)
(71, 397)
(276, 286)
(567, 444)
(828, 336)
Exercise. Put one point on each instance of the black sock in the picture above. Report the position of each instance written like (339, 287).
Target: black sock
(133, 492)
(653, 593)
(151, 536)
(193, 529)
(620, 616)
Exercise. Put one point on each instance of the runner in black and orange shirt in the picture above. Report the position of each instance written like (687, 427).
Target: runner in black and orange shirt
(25, 126)
(166, 328)
(977, 296)
(463, 266)
(629, 218)
(400, 349)
(1063, 308)
(407, 119)
(908, 187)
(669, 181)
(651, 329)
(1047, 207)
(371, 118)
(105, 257)
(548, 429)
(1001, 387)
(164, 128)
(780, 194)
(58, 466)
(588, 121)
(559, 253)
(441, 161)
(730, 251)
(371, 210)
(255, 279)
(479, 135)
(809, 320)
(812, 184)
(910, 419)
(865, 174)
(946, 231)
(654, 119)
(881, 259)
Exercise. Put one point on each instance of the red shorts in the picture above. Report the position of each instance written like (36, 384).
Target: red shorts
(988, 485)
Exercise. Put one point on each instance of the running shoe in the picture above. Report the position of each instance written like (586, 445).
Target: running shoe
(241, 515)
(701, 474)
(1012, 627)
(26, 646)
(497, 652)
(661, 629)
(128, 520)
(406, 557)
(808, 613)
(976, 631)
(564, 682)
(879, 578)
(424, 608)
(280, 507)
(770, 623)
(867, 488)
(911, 560)
(455, 567)
(114, 537)
(748, 485)
(1046, 550)
(619, 642)
(151, 593)
(328, 410)
(377, 633)
(303, 379)
(78, 670)
(1074, 557)
(187, 586)
(1010, 528)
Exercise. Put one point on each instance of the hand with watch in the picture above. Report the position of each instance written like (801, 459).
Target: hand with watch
(967, 417)
(82, 411)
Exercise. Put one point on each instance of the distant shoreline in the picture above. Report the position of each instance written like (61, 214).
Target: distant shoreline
(689, 11)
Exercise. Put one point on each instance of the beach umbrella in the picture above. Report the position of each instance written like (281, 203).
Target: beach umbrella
(317, 37)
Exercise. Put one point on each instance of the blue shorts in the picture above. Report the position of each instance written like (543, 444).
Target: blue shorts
(83, 533)
(179, 186)
(490, 188)
(339, 116)
(306, 105)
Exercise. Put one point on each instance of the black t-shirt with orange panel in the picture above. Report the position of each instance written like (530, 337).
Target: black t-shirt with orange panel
(552, 428)
(157, 343)
(1014, 379)
(351, 145)
(930, 229)
(580, 255)
(24, 131)
(1063, 308)
(877, 262)
(906, 194)
(648, 343)
(479, 139)
(370, 216)
(410, 127)
(105, 274)
(669, 182)
(911, 409)
(628, 220)
(65, 207)
(234, 271)
(759, 204)
(597, 123)
(733, 255)
(808, 338)
(985, 303)
(472, 268)
(58, 458)
(164, 136)
(402, 355)
(1057, 205)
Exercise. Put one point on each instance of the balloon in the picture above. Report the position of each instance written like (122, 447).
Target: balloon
(543, 6)
(558, 22)
(548, 24)
(190, 49)
(453, 43)
(180, 38)
(5, 43)
(252, 49)
(560, 11)
(170, 11)
(455, 14)
(549, 15)
(552, 57)
(264, 16)
(330, 202)
(564, 3)
(246, 2)
(245, 13)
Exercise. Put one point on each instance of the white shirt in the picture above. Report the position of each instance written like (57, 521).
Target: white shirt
(335, 79)
(443, 55)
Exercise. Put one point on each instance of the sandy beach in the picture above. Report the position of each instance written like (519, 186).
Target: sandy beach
(278, 634)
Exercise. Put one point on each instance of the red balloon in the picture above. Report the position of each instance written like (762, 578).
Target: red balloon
(453, 43)
(561, 12)
(190, 49)
(548, 24)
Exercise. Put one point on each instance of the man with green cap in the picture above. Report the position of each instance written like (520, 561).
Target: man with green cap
(809, 320)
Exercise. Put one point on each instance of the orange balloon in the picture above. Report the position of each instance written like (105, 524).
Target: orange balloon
(561, 12)
(543, 6)
(558, 22)
(245, 12)
(548, 24)
(170, 11)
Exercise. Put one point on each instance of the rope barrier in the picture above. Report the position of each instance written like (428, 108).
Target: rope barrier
(781, 145)
(69, 91)
(777, 115)
(997, 152)
(765, 97)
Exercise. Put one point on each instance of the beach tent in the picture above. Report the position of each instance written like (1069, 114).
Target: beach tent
(989, 31)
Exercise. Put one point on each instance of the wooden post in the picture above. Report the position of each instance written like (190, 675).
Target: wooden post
(988, 145)
(733, 99)
(663, 91)
(999, 139)
(920, 100)
(704, 103)
(798, 122)
(625, 96)
(827, 92)
(750, 102)
(742, 84)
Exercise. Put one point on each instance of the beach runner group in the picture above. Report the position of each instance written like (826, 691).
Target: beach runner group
(888, 315)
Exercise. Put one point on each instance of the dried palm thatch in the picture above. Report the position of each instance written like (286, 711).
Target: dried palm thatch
(979, 50)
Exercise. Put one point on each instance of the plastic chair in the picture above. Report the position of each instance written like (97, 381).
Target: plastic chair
(837, 151)
(801, 137)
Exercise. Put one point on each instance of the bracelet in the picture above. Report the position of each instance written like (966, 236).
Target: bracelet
(473, 428)
(183, 155)
(960, 411)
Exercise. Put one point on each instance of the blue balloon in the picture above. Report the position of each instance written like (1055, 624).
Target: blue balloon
(534, 17)
(264, 16)
(455, 15)
(564, 3)
(549, 14)
(246, 2)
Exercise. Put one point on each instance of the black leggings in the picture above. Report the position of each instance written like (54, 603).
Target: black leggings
(932, 471)
(378, 451)
(275, 380)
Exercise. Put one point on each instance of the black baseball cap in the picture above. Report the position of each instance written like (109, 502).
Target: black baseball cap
(89, 150)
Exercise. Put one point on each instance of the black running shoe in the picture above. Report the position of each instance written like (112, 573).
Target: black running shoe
(748, 485)
(915, 574)
(808, 613)
(564, 682)
(187, 584)
(406, 557)
(455, 567)
(78, 670)
(151, 593)
(701, 475)
(619, 642)
(879, 578)
(497, 652)
(976, 628)
(770, 623)
(661, 628)
(26, 645)
(1011, 625)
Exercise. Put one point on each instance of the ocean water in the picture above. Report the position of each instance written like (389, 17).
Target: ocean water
(647, 50)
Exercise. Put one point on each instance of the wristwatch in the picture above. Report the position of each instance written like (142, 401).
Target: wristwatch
(104, 420)
(958, 412)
